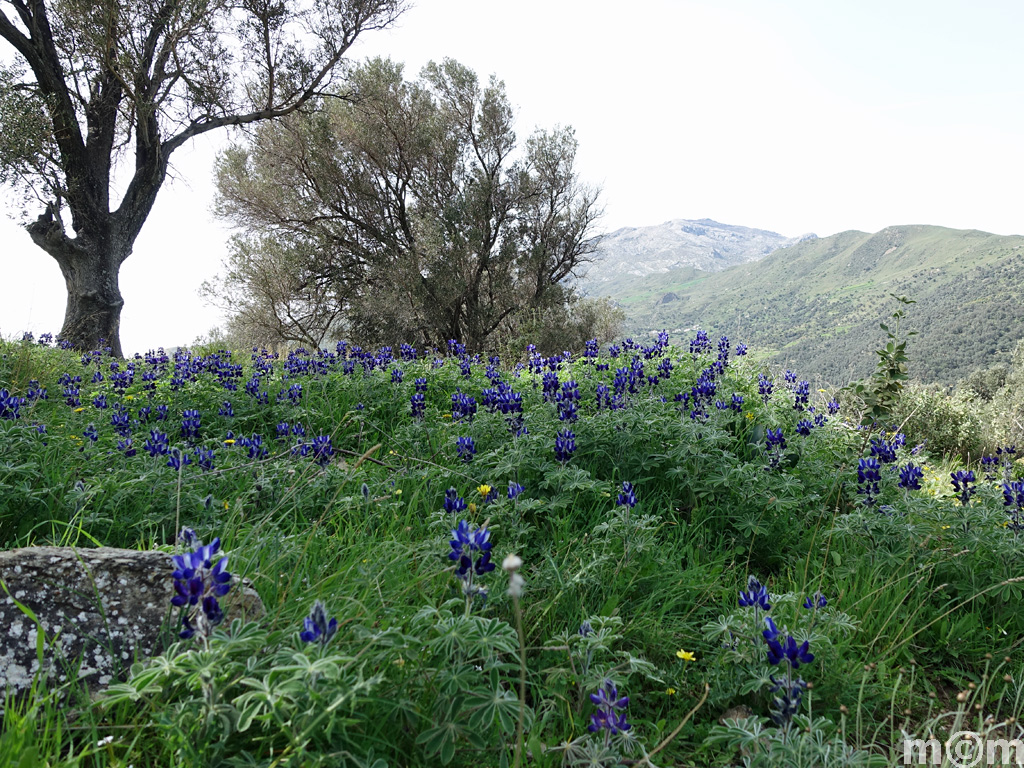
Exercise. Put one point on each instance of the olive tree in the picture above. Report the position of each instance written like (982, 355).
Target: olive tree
(93, 83)
(422, 217)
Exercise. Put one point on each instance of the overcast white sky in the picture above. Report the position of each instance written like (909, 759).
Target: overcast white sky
(789, 115)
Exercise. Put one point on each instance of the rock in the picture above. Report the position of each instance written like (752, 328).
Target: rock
(99, 610)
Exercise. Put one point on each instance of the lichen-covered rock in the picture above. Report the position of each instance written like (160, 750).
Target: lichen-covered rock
(99, 610)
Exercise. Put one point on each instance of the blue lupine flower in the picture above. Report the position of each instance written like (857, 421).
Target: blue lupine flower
(585, 629)
(989, 463)
(700, 344)
(121, 422)
(611, 711)
(190, 423)
(787, 695)
(177, 460)
(466, 448)
(453, 503)
(868, 477)
(785, 649)
(34, 392)
(323, 450)
(962, 485)
(257, 450)
(833, 407)
(204, 459)
(91, 433)
(284, 429)
(884, 450)
(317, 628)
(910, 477)
(514, 489)
(801, 393)
(298, 430)
(465, 542)
(565, 445)
(804, 427)
(741, 349)
(397, 374)
(418, 405)
(420, 384)
(71, 396)
(765, 387)
(126, 447)
(198, 581)
(755, 595)
(463, 407)
(627, 497)
(1013, 498)
(815, 601)
(295, 393)
(567, 411)
(775, 438)
(156, 443)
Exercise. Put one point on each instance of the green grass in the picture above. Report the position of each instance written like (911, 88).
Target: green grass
(923, 596)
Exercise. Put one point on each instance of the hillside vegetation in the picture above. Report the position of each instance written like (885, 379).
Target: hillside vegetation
(633, 555)
(815, 305)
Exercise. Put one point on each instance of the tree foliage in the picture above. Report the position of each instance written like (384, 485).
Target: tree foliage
(95, 82)
(408, 212)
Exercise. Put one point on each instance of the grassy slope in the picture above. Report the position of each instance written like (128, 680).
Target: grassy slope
(816, 305)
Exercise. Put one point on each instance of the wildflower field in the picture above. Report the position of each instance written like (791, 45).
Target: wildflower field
(644, 554)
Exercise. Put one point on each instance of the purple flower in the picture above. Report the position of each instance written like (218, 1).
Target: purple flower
(910, 477)
(611, 710)
(565, 445)
(198, 582)
(755, 595)
(627, 496)
(466, 448)
(963, 484)
(317, 628)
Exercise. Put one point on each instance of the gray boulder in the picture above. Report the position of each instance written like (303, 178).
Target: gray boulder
(99, 610)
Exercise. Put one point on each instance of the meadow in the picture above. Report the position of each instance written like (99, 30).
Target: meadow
(643, 554)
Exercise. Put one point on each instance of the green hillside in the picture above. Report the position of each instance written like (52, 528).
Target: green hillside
(816, 305)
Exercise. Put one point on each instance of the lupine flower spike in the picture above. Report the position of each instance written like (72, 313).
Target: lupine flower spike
(611, 711)
(198, 582)
(317, 628)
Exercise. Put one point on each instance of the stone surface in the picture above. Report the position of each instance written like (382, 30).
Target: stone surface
(99, 610)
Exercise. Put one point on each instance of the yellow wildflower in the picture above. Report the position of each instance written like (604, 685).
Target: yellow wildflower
(670, 691)
(229, 441)
(79, 410)
(484, 489)
(686, 655)
(472, 507)
(398, 491)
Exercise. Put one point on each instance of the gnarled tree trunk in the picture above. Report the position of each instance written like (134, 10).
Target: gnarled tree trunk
(90, 264)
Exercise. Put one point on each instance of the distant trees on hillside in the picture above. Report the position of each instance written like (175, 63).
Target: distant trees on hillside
(408, 212)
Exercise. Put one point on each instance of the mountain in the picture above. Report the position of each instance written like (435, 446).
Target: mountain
(703, 244)
(815, 306)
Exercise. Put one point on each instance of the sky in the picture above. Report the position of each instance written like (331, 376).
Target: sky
(784, 115)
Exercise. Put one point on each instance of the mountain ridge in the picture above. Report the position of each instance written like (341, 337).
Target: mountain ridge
(705, 244)
(816, 304)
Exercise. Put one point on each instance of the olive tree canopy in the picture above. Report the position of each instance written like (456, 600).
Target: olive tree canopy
(407, 212)
(98, 87)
